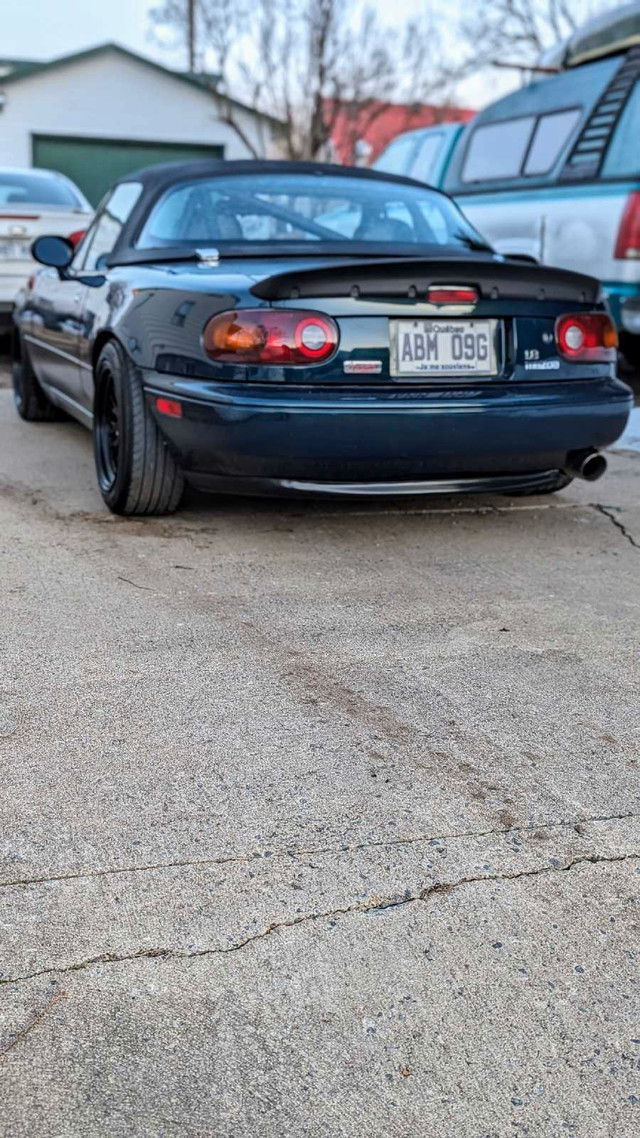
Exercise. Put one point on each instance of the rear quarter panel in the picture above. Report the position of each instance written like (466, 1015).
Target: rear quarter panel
(156, 310)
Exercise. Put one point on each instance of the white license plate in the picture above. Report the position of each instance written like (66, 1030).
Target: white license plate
(424, 348)
(15, 250)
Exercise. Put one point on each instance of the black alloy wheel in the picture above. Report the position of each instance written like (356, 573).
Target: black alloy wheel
(137, 473)
(107, 430)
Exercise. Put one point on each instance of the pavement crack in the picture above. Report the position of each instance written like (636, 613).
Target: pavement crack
(368, 905)
(119, 870)
(306, 851)
(4, 1051)
(145, 588)
(607, 512)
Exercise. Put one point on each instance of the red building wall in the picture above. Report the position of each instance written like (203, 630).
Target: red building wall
(379, 123)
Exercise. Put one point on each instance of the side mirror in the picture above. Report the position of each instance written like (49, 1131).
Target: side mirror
(57, 252)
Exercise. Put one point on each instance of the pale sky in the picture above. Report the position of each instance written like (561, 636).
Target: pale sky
(42, 29)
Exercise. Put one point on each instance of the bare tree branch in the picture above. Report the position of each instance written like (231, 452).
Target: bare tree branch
(312, 64)
(519, 31)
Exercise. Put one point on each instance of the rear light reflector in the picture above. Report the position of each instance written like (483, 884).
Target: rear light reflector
(270, 336)
(169, 407)
(76, 237)
(628, 243)
(452, 294)
(19, 216)
(587, 337)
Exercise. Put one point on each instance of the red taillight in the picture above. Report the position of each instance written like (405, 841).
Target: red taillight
(270, 336)
(169, 407)
(588, 337)
(628, 243)
(76, 237)
(452, 294)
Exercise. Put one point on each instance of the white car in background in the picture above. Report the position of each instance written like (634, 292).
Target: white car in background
(33, 202)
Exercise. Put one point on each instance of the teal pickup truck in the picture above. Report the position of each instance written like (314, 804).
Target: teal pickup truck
(552, 171)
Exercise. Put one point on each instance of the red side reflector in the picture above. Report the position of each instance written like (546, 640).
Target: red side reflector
(169, 407)
(452, 294)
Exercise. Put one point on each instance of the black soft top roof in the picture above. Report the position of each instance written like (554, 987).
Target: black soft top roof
(158, 177)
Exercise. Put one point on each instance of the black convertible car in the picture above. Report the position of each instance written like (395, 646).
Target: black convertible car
(293, 328)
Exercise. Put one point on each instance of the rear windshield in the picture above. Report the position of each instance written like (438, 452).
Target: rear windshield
(316, 209)
(35, 189)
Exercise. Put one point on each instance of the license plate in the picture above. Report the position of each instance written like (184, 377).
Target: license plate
(15, 250)
(424, 348)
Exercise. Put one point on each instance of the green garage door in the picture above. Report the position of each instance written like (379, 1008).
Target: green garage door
(94, 163)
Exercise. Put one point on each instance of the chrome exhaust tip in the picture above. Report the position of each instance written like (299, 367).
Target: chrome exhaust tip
(589, 465)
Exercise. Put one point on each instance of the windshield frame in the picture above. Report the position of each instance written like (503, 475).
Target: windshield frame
(468, 240)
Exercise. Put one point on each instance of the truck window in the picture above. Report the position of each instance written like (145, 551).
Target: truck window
(551, 136)
(623, 155)
(428, 152)
(497, 150)
(396, 158)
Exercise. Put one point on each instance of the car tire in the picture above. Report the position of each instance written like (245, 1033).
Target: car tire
(31, 402)
(137, 474)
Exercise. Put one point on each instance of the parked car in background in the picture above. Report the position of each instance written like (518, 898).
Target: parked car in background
(214, 326)
(33, 202)
(422, 154)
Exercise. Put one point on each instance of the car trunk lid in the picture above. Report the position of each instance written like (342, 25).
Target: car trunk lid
(21, 224)
(391, 332)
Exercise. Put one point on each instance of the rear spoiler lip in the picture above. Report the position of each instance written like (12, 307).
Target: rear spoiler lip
(399, 277)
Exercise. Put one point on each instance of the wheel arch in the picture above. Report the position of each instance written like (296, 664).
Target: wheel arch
(106, 336)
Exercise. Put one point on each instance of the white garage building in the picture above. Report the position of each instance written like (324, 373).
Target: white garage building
(101, 113)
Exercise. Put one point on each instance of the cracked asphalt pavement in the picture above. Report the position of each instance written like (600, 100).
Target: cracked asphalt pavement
(317, 819)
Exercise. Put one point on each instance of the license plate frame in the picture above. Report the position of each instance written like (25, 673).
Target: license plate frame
(444, 369)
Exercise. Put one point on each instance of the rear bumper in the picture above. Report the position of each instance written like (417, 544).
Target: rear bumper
(11, 283)
(396, 440)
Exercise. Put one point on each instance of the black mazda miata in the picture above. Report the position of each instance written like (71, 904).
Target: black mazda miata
(293, 328)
